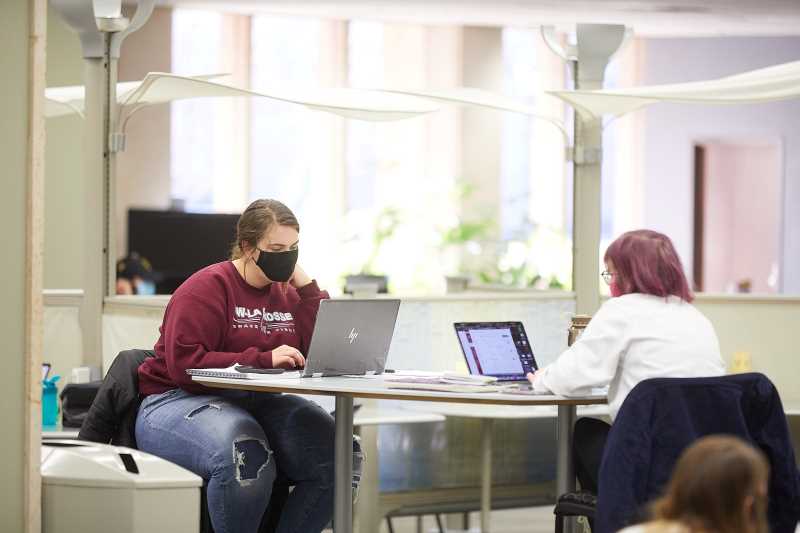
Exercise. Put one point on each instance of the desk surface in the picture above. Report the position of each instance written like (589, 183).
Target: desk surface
(376, 387)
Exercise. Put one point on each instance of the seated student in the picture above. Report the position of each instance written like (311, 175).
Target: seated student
(648, 329)
(135, 275)
(719, 485)
(257, 309)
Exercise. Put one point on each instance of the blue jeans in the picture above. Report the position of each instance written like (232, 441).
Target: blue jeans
(236, 441)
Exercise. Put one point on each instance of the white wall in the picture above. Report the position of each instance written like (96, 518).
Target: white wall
(64, 183)
(62, 343)
(671, 130)
(143, 169)
(764, 328)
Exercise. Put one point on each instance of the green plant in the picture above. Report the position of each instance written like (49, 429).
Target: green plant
(386, 223)
(465, 233)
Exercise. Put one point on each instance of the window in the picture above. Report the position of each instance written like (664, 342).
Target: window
(370, 196)
(193, 122)
(400, 175)
(533, 183)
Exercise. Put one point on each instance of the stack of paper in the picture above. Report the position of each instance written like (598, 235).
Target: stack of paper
(447, 381)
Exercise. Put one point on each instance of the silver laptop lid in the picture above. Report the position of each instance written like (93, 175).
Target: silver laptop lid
(351, 337)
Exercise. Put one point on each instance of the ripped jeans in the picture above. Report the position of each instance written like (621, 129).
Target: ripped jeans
(235, 440)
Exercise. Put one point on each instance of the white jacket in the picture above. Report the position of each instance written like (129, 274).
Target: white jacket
(632, 338)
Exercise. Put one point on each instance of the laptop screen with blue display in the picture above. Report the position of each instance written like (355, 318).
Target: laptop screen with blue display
(498, 349)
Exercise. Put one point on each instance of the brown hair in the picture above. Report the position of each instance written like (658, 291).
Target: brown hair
(259, 217)
(711, 484)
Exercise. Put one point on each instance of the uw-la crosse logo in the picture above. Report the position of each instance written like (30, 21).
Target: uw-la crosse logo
(353, 335)
(261, 319)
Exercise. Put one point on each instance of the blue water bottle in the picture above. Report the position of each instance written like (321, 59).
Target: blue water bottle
(50, 401)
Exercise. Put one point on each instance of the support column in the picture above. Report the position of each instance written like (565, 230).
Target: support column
(23, 26)
(596, 44)
(101, 34)
(94, 215)
(481, 135)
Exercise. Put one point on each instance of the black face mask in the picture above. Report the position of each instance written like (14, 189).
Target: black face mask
(277, 266)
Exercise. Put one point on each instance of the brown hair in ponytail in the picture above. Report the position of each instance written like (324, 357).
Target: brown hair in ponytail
(260, 217)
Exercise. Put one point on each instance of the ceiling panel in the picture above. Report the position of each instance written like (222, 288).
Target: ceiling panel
(648, 17)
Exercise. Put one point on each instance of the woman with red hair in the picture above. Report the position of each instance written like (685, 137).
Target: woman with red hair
(648, 329)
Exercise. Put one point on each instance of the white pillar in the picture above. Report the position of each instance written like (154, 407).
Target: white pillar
(596, 44)
(101, 37)
(94, 216)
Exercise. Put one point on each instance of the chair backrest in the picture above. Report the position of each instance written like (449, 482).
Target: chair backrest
(661, 417)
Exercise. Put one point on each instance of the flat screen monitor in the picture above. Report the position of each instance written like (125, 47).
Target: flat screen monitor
(178, 244)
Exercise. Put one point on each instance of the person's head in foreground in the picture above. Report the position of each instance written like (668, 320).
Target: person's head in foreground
(645, 261)
(719, 485)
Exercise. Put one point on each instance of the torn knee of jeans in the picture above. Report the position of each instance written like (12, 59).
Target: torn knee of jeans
(250, 457)
(196, 410)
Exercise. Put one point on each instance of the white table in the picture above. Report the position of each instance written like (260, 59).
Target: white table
(347, 388)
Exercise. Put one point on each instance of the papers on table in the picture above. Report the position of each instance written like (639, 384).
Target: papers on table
(447, 381)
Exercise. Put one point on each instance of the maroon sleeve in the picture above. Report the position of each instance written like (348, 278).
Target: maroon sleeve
(305, 312)
(193, 330)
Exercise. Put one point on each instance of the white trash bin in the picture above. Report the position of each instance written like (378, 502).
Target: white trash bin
(93, 488)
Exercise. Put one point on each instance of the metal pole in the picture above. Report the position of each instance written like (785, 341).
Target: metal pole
(565, 468)
(343, 468)
(101, 34)
(487, 425)
(94, 172)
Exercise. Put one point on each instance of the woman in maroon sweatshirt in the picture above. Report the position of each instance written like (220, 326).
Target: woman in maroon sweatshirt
(257, 309)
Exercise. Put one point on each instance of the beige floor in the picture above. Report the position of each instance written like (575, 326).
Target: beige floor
(530, 520)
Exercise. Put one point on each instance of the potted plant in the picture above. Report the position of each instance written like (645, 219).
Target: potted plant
(542, 263)
(462, 240)
(368, 280)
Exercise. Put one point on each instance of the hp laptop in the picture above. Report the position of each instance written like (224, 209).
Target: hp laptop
(351, 337)
(498, 349)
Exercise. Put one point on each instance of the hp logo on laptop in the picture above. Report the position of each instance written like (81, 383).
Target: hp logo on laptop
(352, 336)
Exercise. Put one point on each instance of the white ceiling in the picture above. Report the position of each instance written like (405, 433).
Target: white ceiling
(648, 17)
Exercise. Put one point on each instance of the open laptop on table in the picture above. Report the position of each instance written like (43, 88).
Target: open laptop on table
(351, 337)
(498, 349)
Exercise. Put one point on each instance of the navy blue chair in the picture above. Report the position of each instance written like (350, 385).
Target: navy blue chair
(661, 417)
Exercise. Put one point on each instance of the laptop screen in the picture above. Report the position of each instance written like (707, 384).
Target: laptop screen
(499, 349)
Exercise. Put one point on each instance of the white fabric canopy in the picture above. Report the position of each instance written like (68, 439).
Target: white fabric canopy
(468, 96)
(159, 87)
(779, 82)
(60, 101)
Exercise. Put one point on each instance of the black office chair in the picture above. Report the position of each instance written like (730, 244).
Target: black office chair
(659, 419)
(577, 503)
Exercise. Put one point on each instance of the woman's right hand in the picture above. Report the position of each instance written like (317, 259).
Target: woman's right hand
(287, 357)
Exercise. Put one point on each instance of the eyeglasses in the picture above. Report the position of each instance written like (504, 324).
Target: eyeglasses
(608, 276)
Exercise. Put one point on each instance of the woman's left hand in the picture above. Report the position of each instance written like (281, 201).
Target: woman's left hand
(299, 278)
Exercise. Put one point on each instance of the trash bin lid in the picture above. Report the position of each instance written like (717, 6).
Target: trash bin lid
(90, 464)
